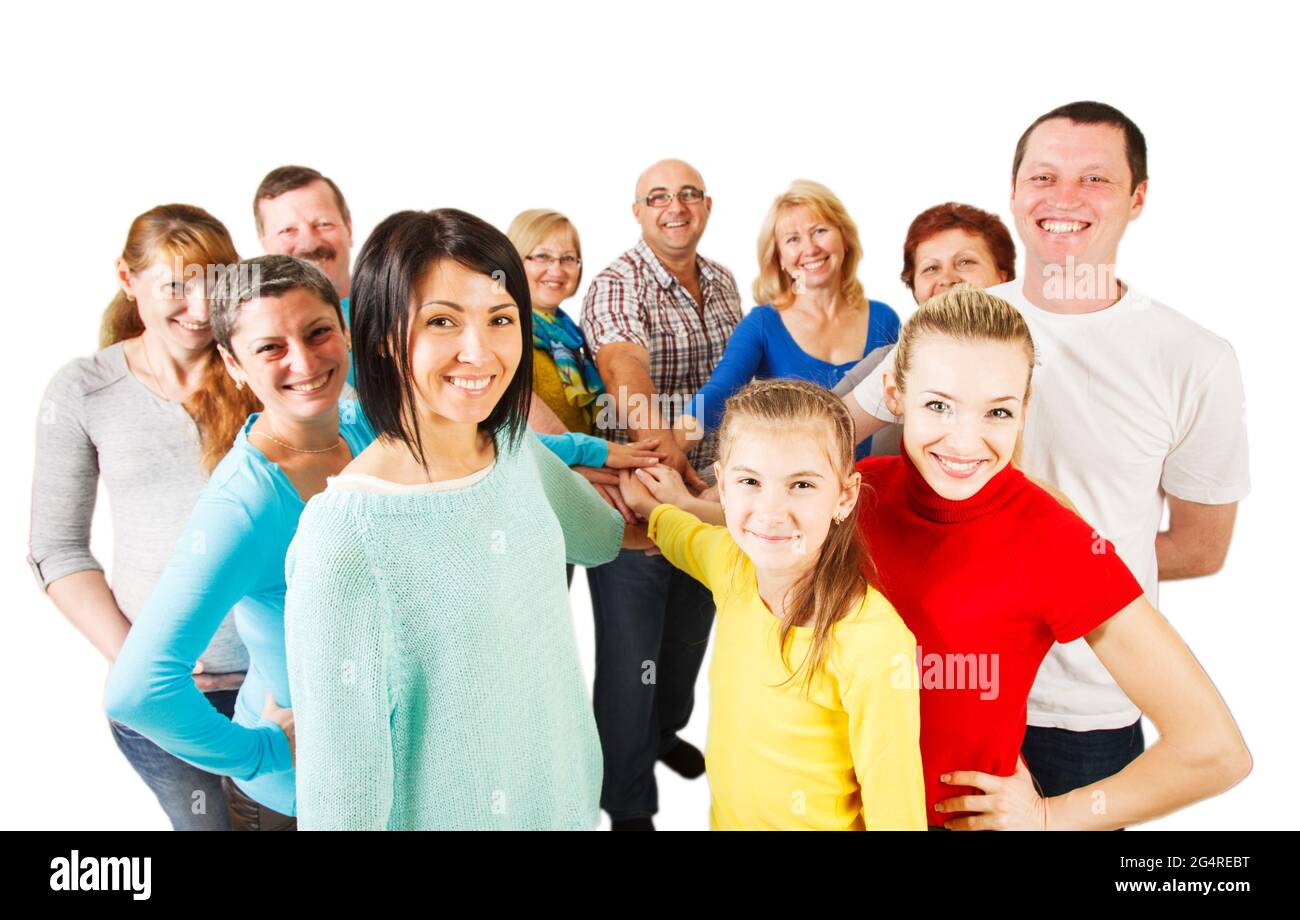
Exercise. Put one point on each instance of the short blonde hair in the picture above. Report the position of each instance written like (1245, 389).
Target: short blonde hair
(775, 286)
(530, 227)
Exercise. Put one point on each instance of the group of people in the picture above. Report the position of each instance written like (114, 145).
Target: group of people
(343, 496)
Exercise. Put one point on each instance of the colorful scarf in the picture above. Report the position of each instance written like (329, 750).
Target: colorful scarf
(561, 338)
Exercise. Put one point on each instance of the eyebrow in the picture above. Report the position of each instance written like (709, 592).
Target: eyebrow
(955, 399)
(802, 474)
(457, 307)
(324, 317)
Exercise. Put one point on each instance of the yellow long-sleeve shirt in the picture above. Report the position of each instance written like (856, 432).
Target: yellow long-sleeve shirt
(846, 756)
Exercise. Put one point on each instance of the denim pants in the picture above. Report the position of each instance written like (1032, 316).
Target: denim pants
(192, 798)
(1062, 760)
(652, 628)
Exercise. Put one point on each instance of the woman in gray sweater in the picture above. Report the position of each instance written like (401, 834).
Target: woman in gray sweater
(151, 412)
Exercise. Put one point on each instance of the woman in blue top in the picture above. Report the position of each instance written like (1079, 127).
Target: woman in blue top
(279, 325)
(815, 323)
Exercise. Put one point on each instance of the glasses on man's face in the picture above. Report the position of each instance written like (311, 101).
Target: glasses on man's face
(687, 194)
(546, 260)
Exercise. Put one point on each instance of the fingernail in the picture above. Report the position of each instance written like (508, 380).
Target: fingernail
(945, 777)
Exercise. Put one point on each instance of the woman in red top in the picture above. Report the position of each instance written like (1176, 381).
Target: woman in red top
(987, 569)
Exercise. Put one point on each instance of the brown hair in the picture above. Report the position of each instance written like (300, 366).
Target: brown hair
(194, 237)
(775, 287)
(1094, 113)
(287, 178)
(833, 586)
(954, 216)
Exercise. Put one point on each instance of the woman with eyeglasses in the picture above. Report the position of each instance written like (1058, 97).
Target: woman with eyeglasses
(565, 379)
(814, 323)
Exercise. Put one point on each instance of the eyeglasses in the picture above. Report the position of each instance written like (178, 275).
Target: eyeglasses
(545, 258)
(687, 194)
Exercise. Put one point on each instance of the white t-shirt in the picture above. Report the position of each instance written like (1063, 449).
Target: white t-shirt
(1129, 404)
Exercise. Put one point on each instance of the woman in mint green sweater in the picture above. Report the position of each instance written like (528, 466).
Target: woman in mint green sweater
(432, 660)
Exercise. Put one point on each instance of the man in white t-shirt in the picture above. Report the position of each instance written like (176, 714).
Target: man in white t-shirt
(1134, 406)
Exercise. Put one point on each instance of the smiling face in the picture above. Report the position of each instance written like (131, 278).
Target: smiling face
(781, 494)
(963, 409)
(172, 306)
(1072, 196)
(674, 230)
(552, 284)
(306, 223)
(465, 343)
(292, 352)
(953, 257)
(810, 248)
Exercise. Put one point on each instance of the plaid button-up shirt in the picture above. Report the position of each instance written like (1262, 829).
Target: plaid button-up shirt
(636, 299)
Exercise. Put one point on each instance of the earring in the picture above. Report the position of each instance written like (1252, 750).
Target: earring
(239, 384)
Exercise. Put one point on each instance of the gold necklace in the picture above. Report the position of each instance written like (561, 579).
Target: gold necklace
(301, 450)
(144, 346)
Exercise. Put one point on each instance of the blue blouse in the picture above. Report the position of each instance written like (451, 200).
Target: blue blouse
(762, 347)
(231, 555)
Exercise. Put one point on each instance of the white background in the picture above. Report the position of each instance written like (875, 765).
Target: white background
(114, 108)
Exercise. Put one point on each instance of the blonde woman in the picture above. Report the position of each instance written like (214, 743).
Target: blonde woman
(566, 384)
(814, 322)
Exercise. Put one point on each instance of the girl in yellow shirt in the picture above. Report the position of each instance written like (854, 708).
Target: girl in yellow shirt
(813, 717)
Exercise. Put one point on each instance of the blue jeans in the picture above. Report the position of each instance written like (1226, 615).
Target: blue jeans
(1062, 760)
(192, 798)
(652, 628)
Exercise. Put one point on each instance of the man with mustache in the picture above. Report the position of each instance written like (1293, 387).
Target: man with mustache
(301, 213)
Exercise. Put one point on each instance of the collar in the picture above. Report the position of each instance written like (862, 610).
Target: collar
(931, 505)
(662, 274)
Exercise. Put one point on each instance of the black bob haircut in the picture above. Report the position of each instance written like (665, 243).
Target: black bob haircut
(398, 254)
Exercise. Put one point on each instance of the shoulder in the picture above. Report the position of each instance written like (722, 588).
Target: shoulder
(719, 271)
(82, 378)
(875, 470)
(873, 636)
(1053, 529)
(626, 269)
(245, 480)
(882, 314)
(1178, 333)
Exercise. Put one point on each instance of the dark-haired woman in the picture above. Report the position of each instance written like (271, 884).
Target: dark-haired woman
(151, 413)
(432, 660)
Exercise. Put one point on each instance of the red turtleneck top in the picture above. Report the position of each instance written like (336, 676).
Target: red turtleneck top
(986, 585)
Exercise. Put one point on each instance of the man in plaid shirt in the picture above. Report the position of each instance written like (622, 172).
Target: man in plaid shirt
(657, 319)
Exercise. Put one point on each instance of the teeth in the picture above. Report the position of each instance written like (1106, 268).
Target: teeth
(1061, 226)
(814, 265)
(675, 224)
(193, 327)
(311, 384)
(471, 383)
(957, 467)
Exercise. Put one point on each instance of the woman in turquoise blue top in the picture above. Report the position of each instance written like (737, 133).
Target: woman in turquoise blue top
(815, 323)
(432, 660)
(280, 329)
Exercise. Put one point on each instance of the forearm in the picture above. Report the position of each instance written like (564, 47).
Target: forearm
(864, 423)
(542, 419)
(629, 381)
(89, 605)
(1165, 778)
(707, 511)
(1180, 557)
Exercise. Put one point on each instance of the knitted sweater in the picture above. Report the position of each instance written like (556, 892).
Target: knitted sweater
(432, 662)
